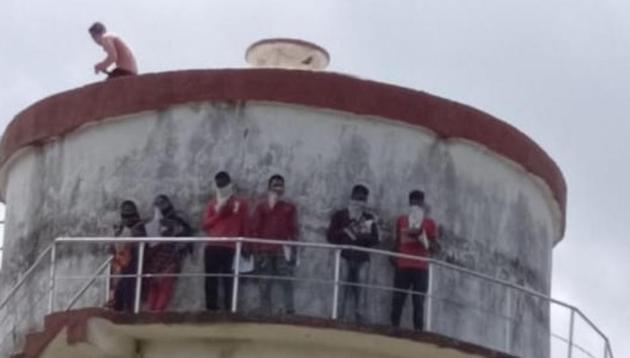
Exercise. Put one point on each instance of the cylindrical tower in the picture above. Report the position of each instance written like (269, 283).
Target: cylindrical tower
(69, 160)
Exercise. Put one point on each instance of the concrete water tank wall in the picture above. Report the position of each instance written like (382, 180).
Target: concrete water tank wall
(70, 160)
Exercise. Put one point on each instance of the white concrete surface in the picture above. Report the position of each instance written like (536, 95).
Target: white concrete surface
(495, 217)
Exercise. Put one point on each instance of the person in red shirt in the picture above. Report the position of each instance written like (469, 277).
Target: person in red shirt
(225, 216)
(275, 219)
(416, 235)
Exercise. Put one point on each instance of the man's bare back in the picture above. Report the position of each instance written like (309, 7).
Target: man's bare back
(118, 53)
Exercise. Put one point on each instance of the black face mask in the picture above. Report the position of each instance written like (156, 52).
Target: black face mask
(164, 205)
(167, 211)
(129, 219)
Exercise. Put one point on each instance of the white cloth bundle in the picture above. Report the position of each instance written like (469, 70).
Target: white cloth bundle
(246, 265)
(288, 254)
(153, 227)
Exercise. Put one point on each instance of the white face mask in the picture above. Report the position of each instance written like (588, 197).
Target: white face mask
(416, 216)
(272, 198)
(157, 213)
(153, 227)
(356, 208)
(225, 192)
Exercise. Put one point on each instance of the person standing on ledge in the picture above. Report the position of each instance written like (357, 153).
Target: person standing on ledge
(275, 219)
(226, 216)
(118, 53)
(416, 235)
(354, 226)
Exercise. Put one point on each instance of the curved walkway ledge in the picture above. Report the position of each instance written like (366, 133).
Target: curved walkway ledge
(203, 325)
(64, 112)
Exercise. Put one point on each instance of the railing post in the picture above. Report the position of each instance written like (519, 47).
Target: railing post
(610, 353)
(140, 264)
(428, 298)
(52, 282)
(237, 270)
(108, 281)
(571, 327)
(508, 315)
(336, 284)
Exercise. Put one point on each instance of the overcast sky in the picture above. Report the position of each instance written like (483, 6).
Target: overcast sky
(559, 70)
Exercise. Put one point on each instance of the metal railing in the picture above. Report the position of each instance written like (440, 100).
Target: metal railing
(506, 313)
(1, 243)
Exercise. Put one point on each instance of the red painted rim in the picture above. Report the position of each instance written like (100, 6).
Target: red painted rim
(64, 112)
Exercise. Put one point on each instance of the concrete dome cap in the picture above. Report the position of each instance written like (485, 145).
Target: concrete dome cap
(288, 54)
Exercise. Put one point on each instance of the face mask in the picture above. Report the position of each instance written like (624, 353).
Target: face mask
(356, 208)
(157, 213)
(225, 192)
(272, 198)
(416, 216)
(153, 227)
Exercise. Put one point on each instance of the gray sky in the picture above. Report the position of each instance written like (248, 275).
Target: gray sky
(557, 70)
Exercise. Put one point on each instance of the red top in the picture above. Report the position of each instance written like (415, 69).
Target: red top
(229, 221)
(277, 223)
(409, 245)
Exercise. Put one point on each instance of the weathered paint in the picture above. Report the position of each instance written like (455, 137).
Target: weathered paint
(496, 218)
(62, 113)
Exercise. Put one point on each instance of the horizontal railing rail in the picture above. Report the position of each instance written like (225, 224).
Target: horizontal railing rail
(336, 281)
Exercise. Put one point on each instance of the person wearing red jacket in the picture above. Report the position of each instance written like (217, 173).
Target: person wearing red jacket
(275, 219)
(415, 235)
(226, 216)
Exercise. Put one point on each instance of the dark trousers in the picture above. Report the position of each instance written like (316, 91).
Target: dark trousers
(119, 72)
(125, 294)
(275, 264)
(418, 281)
(218, 260)
(353, 272)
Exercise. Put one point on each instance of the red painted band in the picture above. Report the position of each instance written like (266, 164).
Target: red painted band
(61, 113)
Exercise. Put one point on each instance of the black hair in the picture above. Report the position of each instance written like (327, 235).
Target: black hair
(360, 189)
(416, 195)
(97, 28)
(223, 176)
(169, 205)
(163, 197)
(128, 205)
(129, 210)
(275, 177)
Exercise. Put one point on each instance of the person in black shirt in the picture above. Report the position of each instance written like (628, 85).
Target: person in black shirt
(354, 226)
(125, 261)
(164, 257)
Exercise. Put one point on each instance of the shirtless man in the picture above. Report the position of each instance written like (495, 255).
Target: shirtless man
(118, 53)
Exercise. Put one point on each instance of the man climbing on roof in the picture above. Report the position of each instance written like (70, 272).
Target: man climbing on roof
(118, 53)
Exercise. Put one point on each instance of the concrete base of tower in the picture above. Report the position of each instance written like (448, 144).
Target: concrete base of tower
(99, 333)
